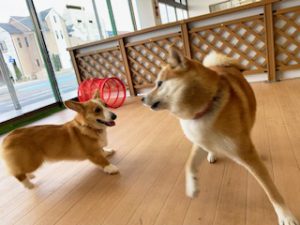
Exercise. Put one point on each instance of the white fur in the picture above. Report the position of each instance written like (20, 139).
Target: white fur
(191, 185)
(107, 151)
(285, 217)
(217, 59)
(211, 158)
(111, 169)
(27, 184)
(30, 176)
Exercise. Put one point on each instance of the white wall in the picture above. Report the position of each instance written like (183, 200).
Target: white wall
(5, 36)
(200, 7)
(59, 45)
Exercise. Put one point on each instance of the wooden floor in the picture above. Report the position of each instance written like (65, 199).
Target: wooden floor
(151, 153)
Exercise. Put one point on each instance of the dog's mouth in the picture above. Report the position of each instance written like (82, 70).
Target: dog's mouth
(109, 123)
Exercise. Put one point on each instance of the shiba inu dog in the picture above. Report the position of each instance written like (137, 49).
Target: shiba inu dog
(216, 108)
(24, 150)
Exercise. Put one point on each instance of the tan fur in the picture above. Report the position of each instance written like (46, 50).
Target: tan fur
(24, 150)
(226, 104)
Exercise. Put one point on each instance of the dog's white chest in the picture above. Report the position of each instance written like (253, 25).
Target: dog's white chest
(194, 130)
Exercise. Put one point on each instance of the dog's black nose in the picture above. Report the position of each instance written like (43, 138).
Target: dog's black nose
(155, 105)
(113, 116)
(143, 99)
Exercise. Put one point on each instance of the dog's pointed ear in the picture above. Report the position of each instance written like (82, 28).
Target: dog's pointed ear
(96, 94)
(76, 106)
(175, 58)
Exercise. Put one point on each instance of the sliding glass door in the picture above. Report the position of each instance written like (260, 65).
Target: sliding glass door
(24, 83)
(65, 24)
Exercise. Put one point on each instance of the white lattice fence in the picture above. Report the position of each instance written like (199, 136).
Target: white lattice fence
(146, 58)
(242, 39)
(287, 38)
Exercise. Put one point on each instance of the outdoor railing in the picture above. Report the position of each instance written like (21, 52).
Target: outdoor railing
(264, 37)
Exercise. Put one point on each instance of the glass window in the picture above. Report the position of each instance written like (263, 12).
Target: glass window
(54, 19)
(171, 13)
(183, 2)
(19, 42)
(179, 13)
(185, 14)
(26, 42)
(163, 13)
(72, 27)
(56, 34)
(105, 23)
(24, 83)
(136, 14)
(3, 46)
(122, 16)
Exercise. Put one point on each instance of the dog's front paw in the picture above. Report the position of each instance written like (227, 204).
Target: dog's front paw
(211, 157)
(27, 184)
(108, 152)
(111, 169)
(191, 187)
(287, 219)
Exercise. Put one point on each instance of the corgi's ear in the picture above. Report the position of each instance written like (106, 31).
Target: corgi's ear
(76, 106)
(175, 58)
(96, 94)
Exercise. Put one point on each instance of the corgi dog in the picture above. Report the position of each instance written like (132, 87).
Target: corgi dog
(24, 150)
(216, 109)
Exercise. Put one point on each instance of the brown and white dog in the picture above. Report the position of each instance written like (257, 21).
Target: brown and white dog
(24, 150)
(216, 108)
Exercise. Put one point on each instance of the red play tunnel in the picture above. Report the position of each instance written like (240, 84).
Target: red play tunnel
(112, 91)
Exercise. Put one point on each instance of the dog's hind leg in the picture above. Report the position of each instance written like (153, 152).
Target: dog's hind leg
(25, 181)
(191, 169)
(211, 157)
(251, 161)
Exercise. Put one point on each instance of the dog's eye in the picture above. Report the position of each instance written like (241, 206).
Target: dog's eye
(159, 83)
(97, 110)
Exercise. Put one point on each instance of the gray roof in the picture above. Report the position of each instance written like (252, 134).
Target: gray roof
(26, 21)
(10, 29)
(44, 13)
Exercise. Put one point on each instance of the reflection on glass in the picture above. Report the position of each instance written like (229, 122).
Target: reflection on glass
(23, 60)
(163, 13)
(122, 16)
(66, 24)
(179, 14)
(171, 13)
(106, 27)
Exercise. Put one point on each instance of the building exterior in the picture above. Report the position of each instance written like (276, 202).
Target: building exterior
(8, 50)
(20, 47)
(81, 25)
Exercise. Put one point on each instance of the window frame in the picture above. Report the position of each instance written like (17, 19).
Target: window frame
(175, 4)
(26, 42)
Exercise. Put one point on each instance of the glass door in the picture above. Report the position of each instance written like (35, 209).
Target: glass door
(64, 24)
(24, 83)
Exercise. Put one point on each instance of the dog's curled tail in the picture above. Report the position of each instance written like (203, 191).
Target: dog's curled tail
(217, 59)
